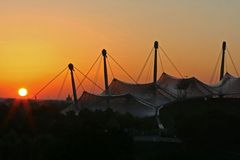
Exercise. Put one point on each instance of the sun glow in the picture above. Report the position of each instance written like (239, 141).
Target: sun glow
(22, 92)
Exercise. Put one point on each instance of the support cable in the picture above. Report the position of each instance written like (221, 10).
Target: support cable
(215, 68)
(122, 69)
(235, 68)
(62, 86)
(149, 71)
(79, 81)
(216, 75)
(144, 66)
(161, 62)
(85, 76)
(226, 66)
(110, 68)
(44, 87)
(171, 62)
(96, 75)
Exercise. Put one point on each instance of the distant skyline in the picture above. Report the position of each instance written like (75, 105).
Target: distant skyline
(39, 38)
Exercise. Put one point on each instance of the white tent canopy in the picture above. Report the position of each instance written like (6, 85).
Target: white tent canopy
(229, 86)
(185, 87)
(120, 103)
(145, 92)
(143, 100)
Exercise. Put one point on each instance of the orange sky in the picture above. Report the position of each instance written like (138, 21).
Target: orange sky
(38, 39)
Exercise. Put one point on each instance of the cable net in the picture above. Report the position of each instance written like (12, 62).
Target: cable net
(121, 103)
(228, 86)
(143, 100)
(184, 87)
(147, 93)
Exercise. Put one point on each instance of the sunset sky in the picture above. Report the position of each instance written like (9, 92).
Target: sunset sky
(39, 38)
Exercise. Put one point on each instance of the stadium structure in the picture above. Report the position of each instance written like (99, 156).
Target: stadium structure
(144, 100)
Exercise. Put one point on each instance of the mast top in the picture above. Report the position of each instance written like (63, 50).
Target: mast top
(104, 53)
(224, 45)
(70, 66)
(156, 44)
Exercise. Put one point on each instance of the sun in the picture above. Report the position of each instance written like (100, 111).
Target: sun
(22, 92)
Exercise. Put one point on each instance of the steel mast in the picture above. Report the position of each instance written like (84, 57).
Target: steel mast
(155, 62)
(224, 46)
(71, 68)
(104, 54)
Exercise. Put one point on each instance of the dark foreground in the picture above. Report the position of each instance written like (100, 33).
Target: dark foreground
(36, 130)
